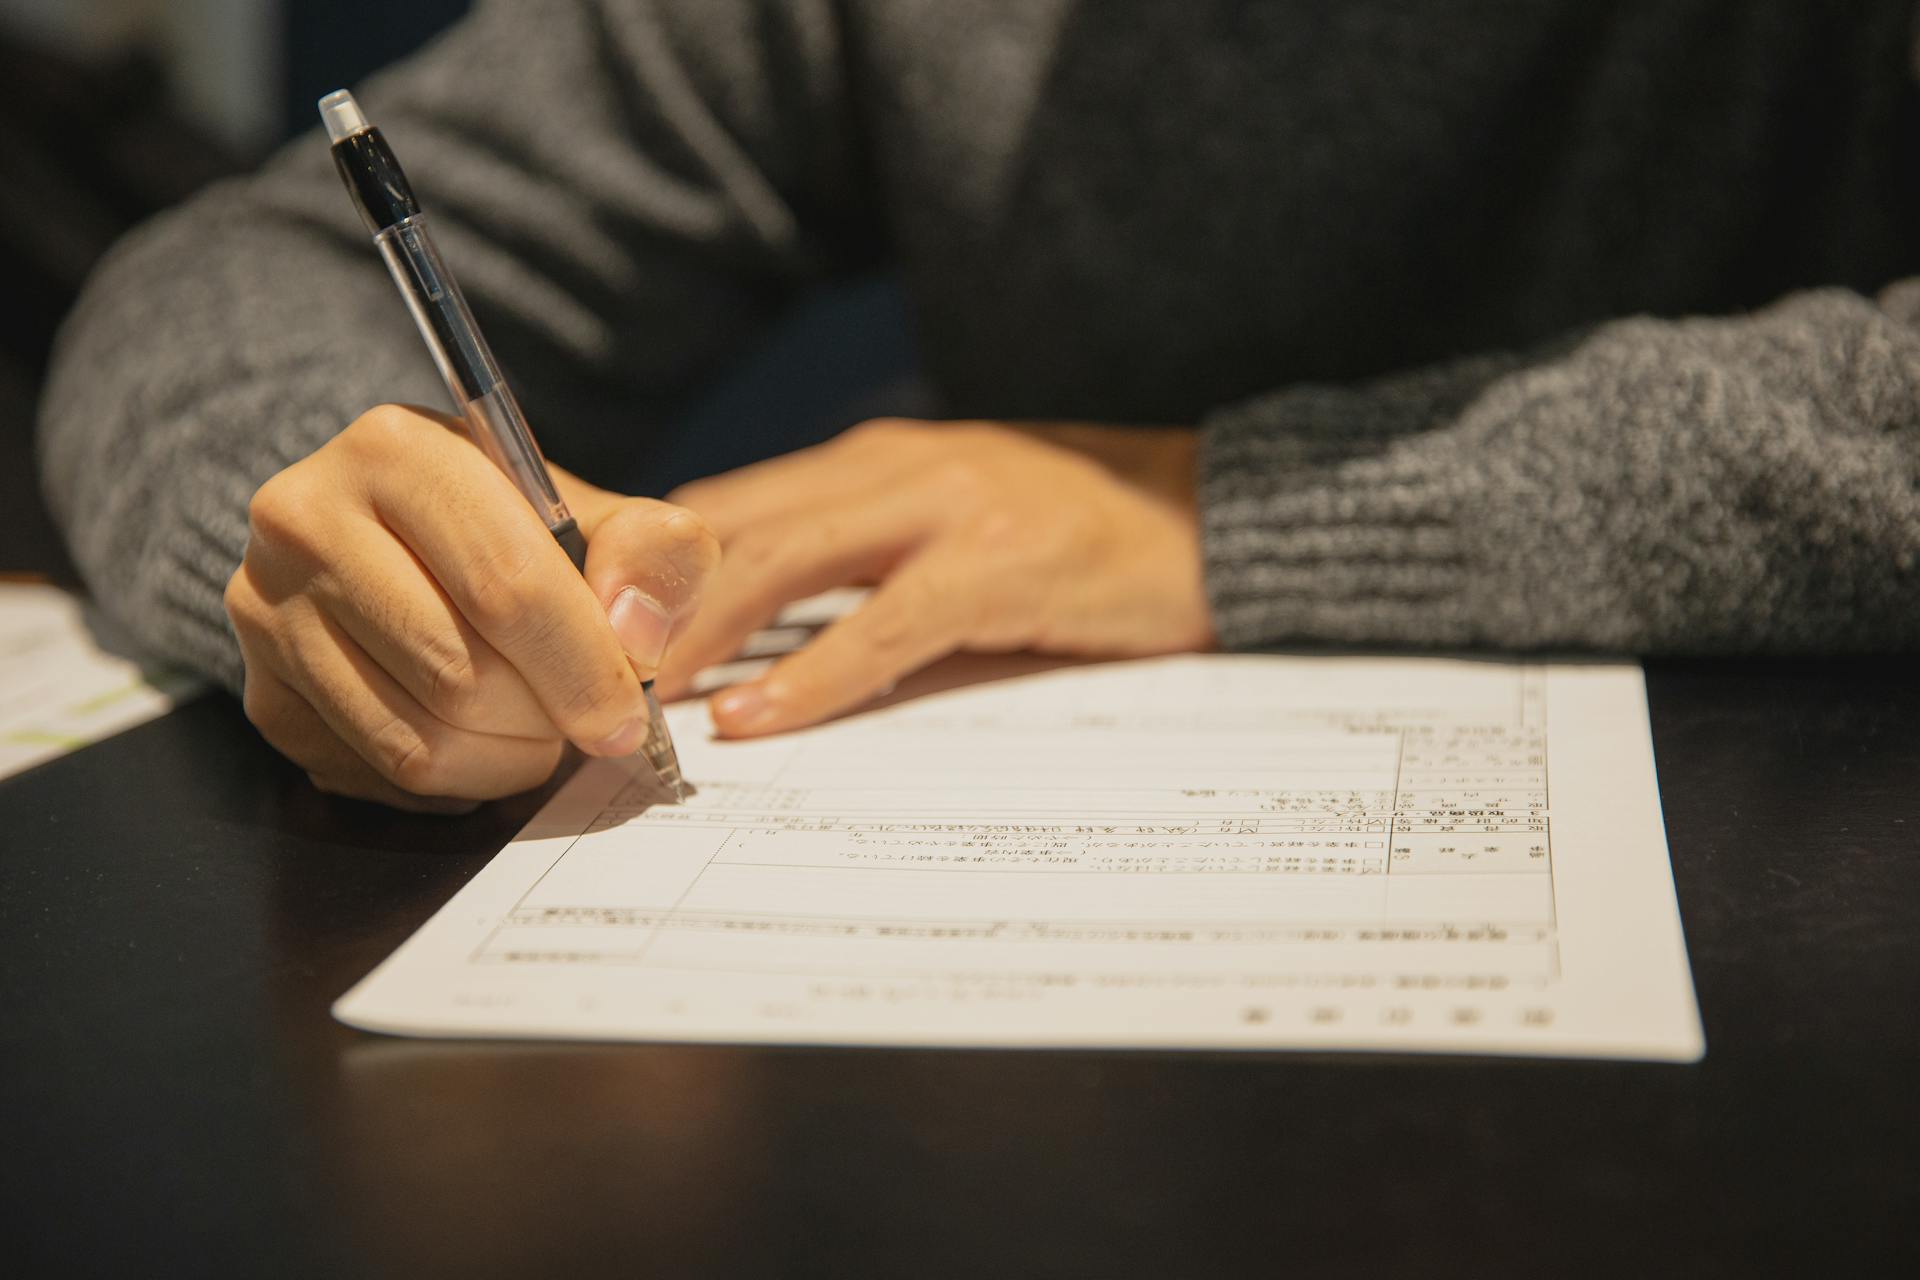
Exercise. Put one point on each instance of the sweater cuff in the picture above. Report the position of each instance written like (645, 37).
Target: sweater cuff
(1319, 525)
(173, 581)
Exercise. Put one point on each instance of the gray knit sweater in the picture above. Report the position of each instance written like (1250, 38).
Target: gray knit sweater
(1510, 323)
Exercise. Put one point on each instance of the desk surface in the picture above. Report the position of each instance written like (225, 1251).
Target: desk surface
(178, 909)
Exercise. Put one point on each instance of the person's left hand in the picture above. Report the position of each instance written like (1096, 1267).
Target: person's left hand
(1065, 539)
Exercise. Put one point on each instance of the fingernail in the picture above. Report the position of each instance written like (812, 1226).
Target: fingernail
(744, 707)
(642, 625)
(625, 741)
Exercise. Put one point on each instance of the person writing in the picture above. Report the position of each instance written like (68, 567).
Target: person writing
(1486, 323)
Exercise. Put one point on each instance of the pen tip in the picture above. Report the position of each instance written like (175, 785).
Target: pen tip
(667, 770)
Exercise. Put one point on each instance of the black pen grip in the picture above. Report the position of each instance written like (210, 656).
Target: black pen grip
(572, 541)
(379, 186)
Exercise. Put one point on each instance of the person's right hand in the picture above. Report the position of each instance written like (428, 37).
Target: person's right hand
(414, 635)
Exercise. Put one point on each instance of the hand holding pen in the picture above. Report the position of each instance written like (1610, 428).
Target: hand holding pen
(427, 616)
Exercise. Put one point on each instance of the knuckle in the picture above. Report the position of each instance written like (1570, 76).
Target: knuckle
(383, 431)
(454, 690)
(405, 757)
(693, 539)
(290, 521)
(499, 599)
(238, 599)
(260, 626)
(275, 511)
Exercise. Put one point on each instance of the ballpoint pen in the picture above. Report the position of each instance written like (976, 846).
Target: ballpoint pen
(387, 204)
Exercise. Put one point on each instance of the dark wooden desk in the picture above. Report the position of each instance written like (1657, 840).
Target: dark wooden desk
(177, 910)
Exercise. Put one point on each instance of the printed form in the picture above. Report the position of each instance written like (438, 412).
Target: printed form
(1258, 852)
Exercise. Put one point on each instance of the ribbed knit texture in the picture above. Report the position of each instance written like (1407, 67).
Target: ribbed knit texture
(1703, 485)
(1387, 252)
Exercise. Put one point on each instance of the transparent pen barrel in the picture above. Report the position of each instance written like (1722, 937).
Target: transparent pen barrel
(479, 391)
(498, 427)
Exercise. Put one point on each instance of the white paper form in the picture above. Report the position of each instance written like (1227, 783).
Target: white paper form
(60, 689)
(1205, 852)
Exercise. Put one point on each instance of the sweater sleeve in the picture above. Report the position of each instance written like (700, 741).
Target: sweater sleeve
(1697, 485)
(628, 192)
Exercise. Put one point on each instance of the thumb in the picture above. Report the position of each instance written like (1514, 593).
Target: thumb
(647, 562)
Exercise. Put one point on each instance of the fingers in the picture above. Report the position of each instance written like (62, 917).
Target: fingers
(1072, 540)
(410, 627)
(293, 728)
(508, 578)
(368, 712)
(924, 612)
(647, 564)
(392, 608)
(780, 561)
